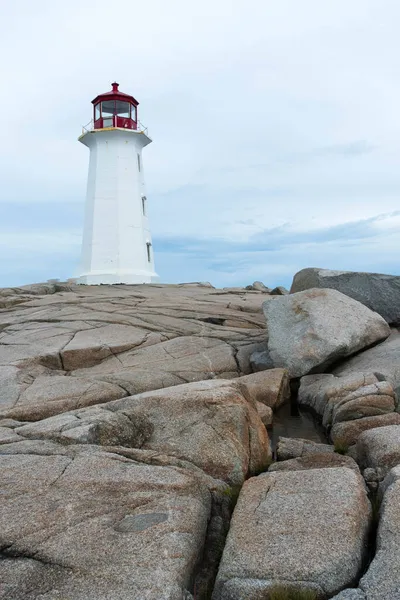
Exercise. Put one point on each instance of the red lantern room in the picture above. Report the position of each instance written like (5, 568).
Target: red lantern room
(115, 109)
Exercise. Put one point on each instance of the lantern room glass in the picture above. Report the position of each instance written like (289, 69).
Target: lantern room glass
(115, 113)
(122, 109)
(107, 112)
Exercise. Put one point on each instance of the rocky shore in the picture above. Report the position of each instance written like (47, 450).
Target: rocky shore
(135, 452)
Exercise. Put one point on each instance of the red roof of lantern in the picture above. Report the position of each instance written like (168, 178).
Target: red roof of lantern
(115, 94)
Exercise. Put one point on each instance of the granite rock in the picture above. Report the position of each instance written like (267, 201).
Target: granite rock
(317, 520)
(347, 433)
(379, 447)
(380, 293)
(353, 396)
(307, 333)
(85, 527)
(382, 579)
(288, 448)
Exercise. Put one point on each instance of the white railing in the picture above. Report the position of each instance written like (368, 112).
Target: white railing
(90, 126)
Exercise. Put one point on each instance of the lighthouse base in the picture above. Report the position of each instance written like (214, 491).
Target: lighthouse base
(127, 278)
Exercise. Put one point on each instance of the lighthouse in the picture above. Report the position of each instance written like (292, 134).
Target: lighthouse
(116, 244)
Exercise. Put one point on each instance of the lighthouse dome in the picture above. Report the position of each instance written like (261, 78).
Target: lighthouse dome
(115, 109)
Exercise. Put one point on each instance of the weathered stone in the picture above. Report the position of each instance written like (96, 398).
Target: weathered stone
(10, 386)
(244, 354)
(379, 447)
(8, 435)
(383, 360)
(265, 413)
(261, 361)
(287, 448)
(380, 293)
(190, 358)
(328, 460)
(209, 424)
(105, 527)
(269, 387)
(309, 527)
(348, 432)
(382, 579)
(279, 291)
(353, 396)
(90, 347)
(256, 589)
(306, 330)
(53, 395)
(259, 286)
(350, 594)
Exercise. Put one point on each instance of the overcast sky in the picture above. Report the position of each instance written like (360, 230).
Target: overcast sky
(275, 127)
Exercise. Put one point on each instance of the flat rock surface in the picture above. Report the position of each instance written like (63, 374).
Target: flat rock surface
(379, 292)
(307, 527)
(84, 527)
(307, 333)
(63, 346)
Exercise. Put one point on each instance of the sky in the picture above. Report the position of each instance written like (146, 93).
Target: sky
(275, 127)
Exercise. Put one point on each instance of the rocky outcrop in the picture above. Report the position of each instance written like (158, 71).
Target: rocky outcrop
(308, 331)
(383, 360)
(346, 398)
(304, 528)
(347, 433)
(209, 424)
(130, 419)
(380, 293)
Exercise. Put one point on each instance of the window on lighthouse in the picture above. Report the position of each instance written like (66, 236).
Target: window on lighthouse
(122, 109)
(148, 246)
(144, 199)
(107, 112)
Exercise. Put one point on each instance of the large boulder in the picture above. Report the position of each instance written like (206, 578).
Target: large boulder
(95, 525)
(209, 424)
(304, 528)
(381, 293)
(382, 579)
(383, 360)
(308, 331)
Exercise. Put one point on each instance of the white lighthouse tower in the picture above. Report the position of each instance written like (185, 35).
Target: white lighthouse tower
(116, 245)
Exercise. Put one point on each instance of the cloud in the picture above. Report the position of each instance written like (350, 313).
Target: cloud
(275, 127)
